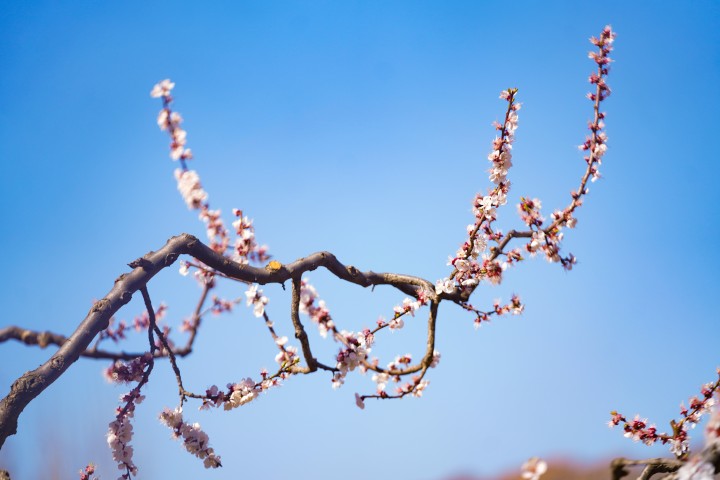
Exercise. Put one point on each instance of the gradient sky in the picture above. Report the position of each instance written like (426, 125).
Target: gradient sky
(362, 128)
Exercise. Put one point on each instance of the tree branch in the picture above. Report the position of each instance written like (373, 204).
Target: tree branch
(32, 383)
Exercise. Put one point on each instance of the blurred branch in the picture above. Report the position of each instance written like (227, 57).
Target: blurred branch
(652, 466)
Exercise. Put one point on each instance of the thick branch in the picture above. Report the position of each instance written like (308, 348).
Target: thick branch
(32, 383)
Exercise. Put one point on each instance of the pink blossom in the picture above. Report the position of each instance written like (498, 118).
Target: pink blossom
(162, 88)
(190, 188)
(126, 372)
(257, 300)
(381, 379)
(195, 440)
(444, 285)
(435, 359)
(534, 468)
(315, 308)
(120, 433)
(243, 392)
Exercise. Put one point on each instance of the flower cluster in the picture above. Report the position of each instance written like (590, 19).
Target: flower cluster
(318, 313)
(188, 184)
(241, 393)
(113, 333)
(126, 372)
(467, 270)
(256, 298)
(238, 394)
(140, 323)
(357, 347)
(188, 180)
(245, 245)
(169, 120)
(529, 210)
(409, 306)
(192, 192)
(515, 307)
(194, 439)
(602, 58)
(501, 156)
(88, 472)
(221, 305)
(215, 229)
(400, 363)
(548, 240)
(287, 355)
(534, 468)
(120, 433)
(415, 388)
(638, 430)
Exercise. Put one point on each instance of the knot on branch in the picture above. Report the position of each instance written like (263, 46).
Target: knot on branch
(29, 381)
(42, 339)
(57, 362)
(170, 258)
(100, 305)
(141, 262)
(189, 240)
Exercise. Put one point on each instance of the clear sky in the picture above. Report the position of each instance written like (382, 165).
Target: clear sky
(362, 127)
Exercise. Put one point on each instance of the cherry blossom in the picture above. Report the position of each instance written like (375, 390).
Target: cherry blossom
(190, 188)
(162, 88)
(534, 468)
(195, 440)
(256, 298)
(120, 432)
(126, 372)
(316, 309)
(87, 472)
(484, 256)
(679, 440)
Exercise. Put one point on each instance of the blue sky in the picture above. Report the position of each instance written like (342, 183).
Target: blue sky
(363, 128)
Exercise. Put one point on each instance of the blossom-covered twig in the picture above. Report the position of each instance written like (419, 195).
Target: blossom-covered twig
(639, 430)
(472, 263)
(467, 269)
(194, 439)
(88, 472)
(533, 469)
(120, 430)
